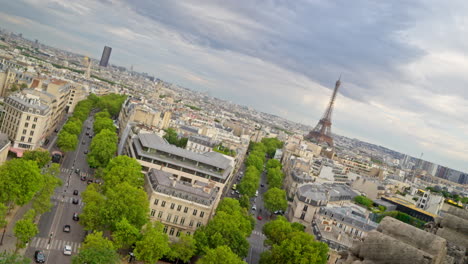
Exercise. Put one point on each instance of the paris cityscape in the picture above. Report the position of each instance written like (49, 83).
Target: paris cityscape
(229, 133)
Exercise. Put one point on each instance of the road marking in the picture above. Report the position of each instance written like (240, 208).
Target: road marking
(56, 244)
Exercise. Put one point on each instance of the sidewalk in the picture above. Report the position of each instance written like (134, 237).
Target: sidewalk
(9, 241)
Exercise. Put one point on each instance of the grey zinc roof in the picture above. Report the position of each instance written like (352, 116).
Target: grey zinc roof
(162, 182)
(211, 158)
(347, 215)
(312, 192)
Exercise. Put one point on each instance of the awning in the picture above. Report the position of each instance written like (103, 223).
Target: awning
(19, 152)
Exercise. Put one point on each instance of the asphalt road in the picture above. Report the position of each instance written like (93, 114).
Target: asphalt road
(51, 238)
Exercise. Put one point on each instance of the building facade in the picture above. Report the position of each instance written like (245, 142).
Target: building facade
(105, 56)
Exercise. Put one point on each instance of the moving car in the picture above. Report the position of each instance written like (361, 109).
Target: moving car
(76, 217)
(254, 207)
(234, 186)
(77, 171)
(256, 193)
(75, 201)
(86, 152)
(75, 192)
(67, 250)
(39, 256)
(262, 185)
(66, 228)
(83, 178)
(259, 217)
(83, 142)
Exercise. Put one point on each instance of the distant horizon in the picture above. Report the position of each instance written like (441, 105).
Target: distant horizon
(402, 85)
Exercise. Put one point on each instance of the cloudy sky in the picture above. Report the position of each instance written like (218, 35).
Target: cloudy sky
(403, 63)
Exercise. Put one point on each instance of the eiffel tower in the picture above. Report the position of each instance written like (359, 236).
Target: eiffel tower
(321, 134)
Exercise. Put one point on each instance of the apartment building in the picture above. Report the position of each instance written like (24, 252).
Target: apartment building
(154, 152)
(26, 119)
(181, 206)
(200, 144)
(4, 147)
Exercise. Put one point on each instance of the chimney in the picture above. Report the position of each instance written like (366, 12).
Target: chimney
(174, 181)
(339, 236)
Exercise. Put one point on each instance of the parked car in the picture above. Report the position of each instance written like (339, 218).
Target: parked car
(67, 250)
(90, 181)
(83, 178)
(39, 256)
(76, 217)
(259, 217)
(256, 193)
(75, 201)
(262, 185)
(75, 192)
(86, 152)
(66, 228)
(83, 142)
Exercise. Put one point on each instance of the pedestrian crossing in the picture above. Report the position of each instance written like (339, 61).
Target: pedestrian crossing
(55, 244)
(258, 233)
(67, 170)
(67, 199)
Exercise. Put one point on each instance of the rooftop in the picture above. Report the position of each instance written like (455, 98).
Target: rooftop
(163, 182)
(350, 216)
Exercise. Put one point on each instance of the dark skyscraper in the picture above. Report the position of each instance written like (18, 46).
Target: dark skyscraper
(105, 56)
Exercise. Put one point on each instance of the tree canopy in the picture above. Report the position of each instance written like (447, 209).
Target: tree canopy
(172, 138)
(123, 169)
(153, 244)
(96, 249)
(275, 199)
(220, 255)
(103, 148)
(40, 156)
(66, 141)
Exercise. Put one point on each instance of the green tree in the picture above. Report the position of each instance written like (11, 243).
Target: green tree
(13, 258)
(224, 229)
(299, 247)
(360, 199)
(244, 201)
(66, 141)
(25, 229)
(172, 138)
(220, 255)
(41, 156)
(126, 201)
(153, 244)
(102, 114)
(73, 126)
(20, 179)
(94, 203)
(125, 234)
(275, 199)
(41, 201)
(103, 123)
(98, 250)
(254, 160)
(183, 249)
(123, 169)
(277, 230)
(103, 148)
(275, 177)
(272, 163)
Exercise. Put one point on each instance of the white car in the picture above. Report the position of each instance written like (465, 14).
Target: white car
(67, 250)
(254, 207)
(256, 193)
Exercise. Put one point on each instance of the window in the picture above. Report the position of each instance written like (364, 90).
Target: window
(202, 214)
(168, 218)
(26, 124)
(178, 233)
(24, 131)
(195, 211)
(185, 209)
(31, 133)
(179, 207)
(305, 208)
(165, 229)
(153, 212)
(28, 118)
(182, 221)
(198, 224)
(160, 214)
(35, 119)
(33, 126)
(22, 138)
(188, 233)
(171, 233)
(303, 215)
(172, 205)
(176, 218)
(191, 223)
(156, 201)
(29, 140)
(163, 203)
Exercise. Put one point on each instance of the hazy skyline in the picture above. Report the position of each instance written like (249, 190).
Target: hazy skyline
(402, 64)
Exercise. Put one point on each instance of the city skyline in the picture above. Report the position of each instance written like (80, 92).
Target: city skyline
(403, 87)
